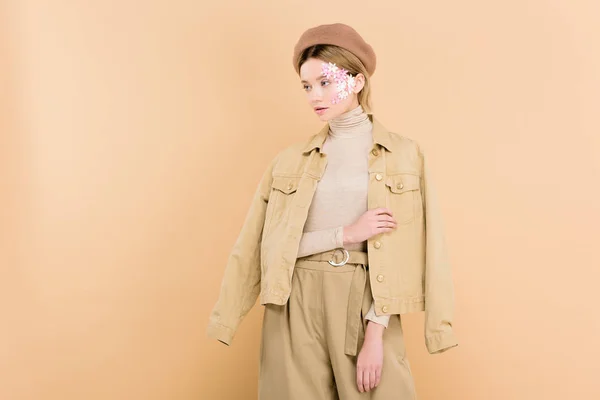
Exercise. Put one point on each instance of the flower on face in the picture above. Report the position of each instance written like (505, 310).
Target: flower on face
(345, 83)
(351, 82)
(330, 70)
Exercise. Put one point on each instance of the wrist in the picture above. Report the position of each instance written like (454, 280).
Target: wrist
(346, 234)
(374, 331)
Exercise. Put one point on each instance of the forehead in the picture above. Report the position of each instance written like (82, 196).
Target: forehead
(312, 69)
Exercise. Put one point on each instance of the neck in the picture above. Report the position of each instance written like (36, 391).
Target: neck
(352, 123)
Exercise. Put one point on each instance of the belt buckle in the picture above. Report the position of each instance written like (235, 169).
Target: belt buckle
(343, 262)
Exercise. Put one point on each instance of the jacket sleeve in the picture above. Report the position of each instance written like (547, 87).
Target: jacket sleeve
(439, 289)
(240, 285)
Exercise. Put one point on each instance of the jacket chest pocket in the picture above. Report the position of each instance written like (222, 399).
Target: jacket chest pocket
(403, 196)
(283, 190)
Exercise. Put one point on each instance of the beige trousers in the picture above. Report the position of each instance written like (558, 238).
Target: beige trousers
(309, 345)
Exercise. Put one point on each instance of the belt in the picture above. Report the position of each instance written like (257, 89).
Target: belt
(354, 334)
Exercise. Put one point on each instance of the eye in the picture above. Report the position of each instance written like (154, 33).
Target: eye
(324, 83)
(305, 87)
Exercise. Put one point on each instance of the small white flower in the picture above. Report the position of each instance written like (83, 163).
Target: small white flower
(351, 82)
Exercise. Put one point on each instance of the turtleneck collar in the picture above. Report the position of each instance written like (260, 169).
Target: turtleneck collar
(352, 123)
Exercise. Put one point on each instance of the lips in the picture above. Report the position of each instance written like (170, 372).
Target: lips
(320, 108)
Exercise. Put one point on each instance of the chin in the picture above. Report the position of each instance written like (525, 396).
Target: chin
(329, 117)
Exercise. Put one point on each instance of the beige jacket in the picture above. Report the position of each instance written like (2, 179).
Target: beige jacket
(408, 266)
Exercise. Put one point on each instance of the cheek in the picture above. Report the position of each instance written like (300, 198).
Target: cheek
(329, 94)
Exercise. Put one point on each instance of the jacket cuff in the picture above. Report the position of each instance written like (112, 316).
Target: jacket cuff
(220, 332)
(440, 342)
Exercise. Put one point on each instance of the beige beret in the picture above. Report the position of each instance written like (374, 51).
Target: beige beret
(340, 35)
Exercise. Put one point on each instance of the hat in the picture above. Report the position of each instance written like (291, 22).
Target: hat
(340, 35)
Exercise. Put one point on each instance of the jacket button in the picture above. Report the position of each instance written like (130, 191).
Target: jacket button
(375, 152)
(384, 309)
(290, 185)
(378, 177)
(380, 278)
(377, 245)
(399, 185)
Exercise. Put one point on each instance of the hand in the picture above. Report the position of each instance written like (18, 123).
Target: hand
(371, 223)
(370, 359)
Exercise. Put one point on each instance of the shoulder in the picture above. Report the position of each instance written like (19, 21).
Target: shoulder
(406, 152)
(403, 143)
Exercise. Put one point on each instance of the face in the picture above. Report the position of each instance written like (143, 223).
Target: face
(323, 92)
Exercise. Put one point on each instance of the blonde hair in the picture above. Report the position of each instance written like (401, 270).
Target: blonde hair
(343, 59)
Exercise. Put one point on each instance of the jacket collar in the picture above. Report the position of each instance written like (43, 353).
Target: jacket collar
(380, 136)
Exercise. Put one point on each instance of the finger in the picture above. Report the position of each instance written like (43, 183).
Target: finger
(383, 210)
(386, 217)
(377, 376)
(382, 219)
(372, 379)
(359, 379)
(366, 381)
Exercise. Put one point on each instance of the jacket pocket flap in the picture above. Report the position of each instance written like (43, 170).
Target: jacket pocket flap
(400, 183)
(285, 184)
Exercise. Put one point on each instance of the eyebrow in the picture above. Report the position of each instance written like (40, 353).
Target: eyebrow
(318, 78)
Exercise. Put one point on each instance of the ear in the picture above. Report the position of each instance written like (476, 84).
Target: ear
(359, 80)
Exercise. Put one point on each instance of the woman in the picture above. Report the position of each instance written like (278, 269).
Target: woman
(335, 242)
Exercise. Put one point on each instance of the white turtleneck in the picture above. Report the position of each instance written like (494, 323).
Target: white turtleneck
(341, 194)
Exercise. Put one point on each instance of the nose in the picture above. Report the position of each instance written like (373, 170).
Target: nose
(315, 96)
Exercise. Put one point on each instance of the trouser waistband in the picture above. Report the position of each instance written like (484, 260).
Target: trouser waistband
(337, 256)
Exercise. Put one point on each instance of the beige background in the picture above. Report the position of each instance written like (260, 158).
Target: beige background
(133, 134)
